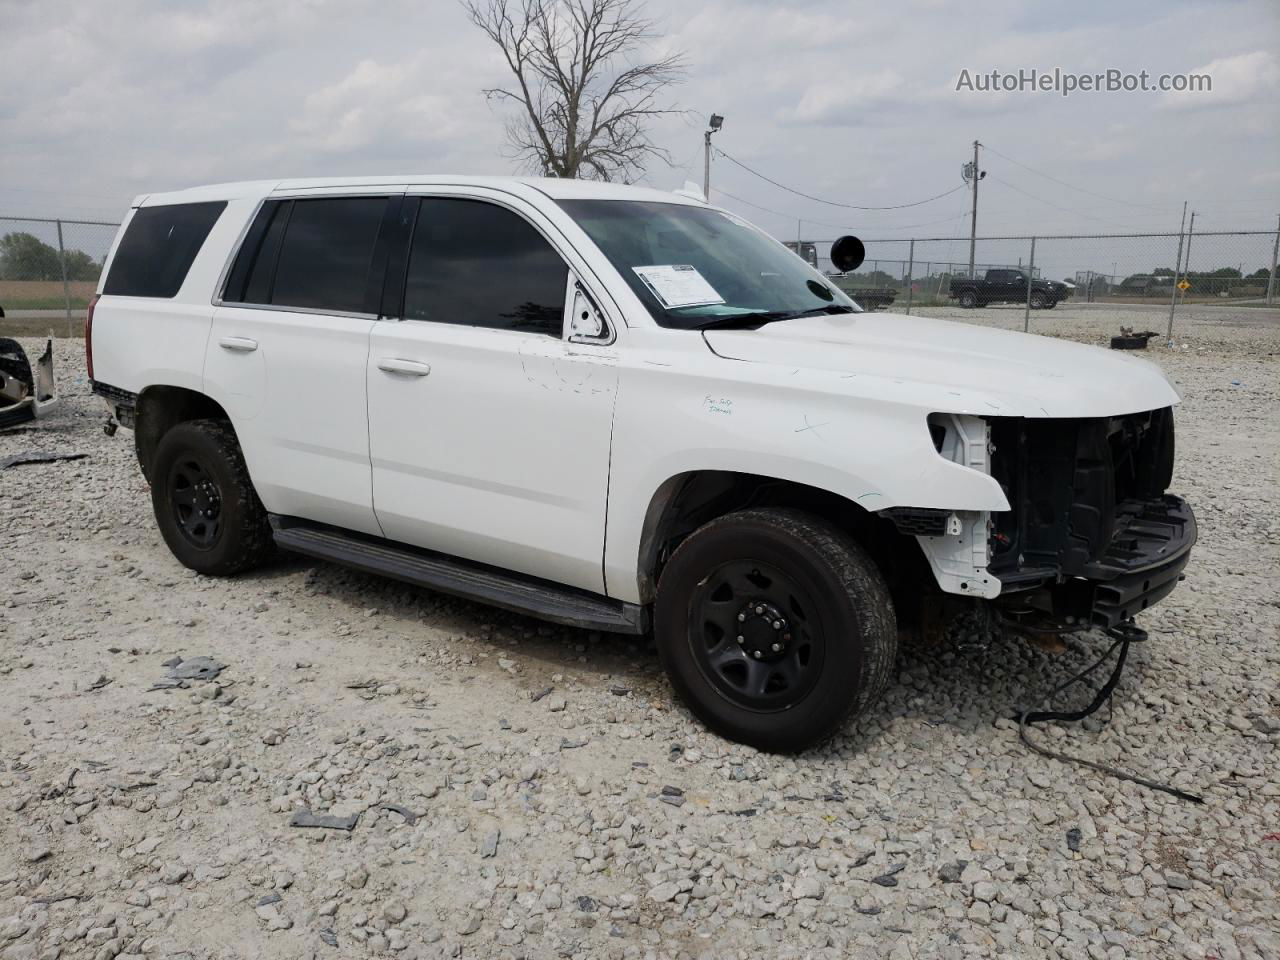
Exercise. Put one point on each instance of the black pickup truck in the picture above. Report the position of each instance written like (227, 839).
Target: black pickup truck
(1007, 286)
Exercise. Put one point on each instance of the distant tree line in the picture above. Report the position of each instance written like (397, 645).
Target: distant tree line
(24, 256)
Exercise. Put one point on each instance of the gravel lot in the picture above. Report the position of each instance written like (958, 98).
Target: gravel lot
(532, 791)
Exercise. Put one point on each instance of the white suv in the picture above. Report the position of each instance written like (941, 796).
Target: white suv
(623, 409)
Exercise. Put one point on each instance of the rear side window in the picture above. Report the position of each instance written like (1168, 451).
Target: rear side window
(479, 264)
(158, 248)
(314, 253)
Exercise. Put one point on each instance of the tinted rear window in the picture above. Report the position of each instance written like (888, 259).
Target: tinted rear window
(158, 248)
(327, 252)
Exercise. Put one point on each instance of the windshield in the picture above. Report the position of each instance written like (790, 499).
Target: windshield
(694, 267)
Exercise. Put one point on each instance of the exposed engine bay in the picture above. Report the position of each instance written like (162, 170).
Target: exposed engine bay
(1092, 536)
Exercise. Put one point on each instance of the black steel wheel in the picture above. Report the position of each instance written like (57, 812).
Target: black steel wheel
(196, 502)
(755, 635)
(1038, 300)
(205, 505)
(774, 627)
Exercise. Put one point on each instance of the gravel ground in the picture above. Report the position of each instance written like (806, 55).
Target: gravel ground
(532, 791)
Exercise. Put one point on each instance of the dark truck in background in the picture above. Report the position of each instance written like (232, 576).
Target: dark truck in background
(1007, 286)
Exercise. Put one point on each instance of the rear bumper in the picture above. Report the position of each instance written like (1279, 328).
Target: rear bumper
(1145, 559)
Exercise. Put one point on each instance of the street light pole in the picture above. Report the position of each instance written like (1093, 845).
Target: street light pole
(713, 125)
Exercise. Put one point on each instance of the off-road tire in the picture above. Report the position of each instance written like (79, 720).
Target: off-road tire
(243, 538)
(854, 613)
(968, 299)
(1038, 300)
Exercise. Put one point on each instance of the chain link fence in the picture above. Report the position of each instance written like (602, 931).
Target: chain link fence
(1167, 270)
(49, 270)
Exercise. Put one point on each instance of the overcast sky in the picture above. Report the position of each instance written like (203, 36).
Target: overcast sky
(844, 100)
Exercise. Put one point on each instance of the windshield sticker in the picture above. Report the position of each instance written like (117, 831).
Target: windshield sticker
(678, 285)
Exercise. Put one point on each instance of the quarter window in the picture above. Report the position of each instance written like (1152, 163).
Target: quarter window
(316, 253)
(158, 248)
(479, 264)
(327, 253)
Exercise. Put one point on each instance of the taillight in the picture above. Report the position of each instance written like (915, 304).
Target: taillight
(88, 336)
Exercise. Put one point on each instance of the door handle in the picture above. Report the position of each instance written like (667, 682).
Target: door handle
(410, 368)
(238, 344)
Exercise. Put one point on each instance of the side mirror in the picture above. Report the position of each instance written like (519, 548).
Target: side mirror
(847, 254)
(585, 321)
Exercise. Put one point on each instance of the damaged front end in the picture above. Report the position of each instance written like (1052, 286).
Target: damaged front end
(26, 392)
(1092, 537)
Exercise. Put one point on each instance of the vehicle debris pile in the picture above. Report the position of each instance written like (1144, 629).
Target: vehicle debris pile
(26, 392)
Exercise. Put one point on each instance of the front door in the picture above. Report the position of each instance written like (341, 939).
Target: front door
(489, 429)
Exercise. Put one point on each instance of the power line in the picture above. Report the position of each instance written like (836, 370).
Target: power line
(1092, 193)
(1049, 203)
(838, 226)
(831, 203)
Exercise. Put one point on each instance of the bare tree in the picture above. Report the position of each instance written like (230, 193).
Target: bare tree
(586, 102)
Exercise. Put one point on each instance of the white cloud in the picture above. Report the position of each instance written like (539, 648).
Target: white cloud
(856, 103)
(1244, 78)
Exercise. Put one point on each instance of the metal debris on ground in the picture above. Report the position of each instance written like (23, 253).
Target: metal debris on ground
(305, 818)
(195, 668)
(37, 456)
(1128, 340)
(410, 818)
(25, 391)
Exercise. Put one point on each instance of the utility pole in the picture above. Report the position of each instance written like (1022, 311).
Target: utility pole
(971, 172)
(715, 123)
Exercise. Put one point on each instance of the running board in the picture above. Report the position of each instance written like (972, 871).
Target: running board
(461, 578)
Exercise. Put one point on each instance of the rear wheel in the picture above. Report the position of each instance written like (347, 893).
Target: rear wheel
(968, 299)
(775, 628)
(205, 505)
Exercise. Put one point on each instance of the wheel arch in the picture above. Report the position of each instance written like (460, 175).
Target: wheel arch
(160, 408)
(684, 502)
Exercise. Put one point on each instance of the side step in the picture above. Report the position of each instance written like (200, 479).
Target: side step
(462, 578)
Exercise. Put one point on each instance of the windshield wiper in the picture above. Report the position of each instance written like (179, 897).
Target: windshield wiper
(830, 308)
(757, 319)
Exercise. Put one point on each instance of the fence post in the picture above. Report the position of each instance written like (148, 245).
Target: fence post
(1275, 255)
(1031, 270)
(66, 287)
(1177, 266)
(911, 266)
(1186, 261)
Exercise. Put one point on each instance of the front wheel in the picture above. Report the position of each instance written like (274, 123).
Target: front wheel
(775, 628)
(205, 505)
(1038, 300)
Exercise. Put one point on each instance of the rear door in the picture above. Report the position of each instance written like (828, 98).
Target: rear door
(288, 348)
(489, 428)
